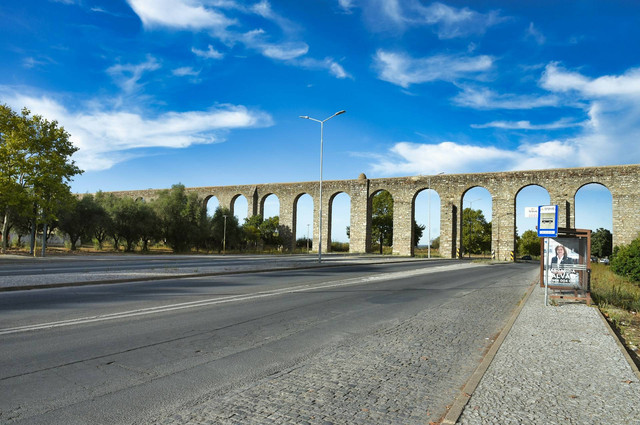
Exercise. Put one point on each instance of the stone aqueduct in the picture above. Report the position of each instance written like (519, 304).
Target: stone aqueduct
(562, 185)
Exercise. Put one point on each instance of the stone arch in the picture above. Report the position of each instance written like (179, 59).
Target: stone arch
(239, 207)
(374, 233)
(211, 203)
(601, 197)
(270, 208)
(306, 211)
(426, 204)
(335, 222)
(475, 194)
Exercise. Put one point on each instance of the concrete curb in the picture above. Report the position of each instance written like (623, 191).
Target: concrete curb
(458, 405)
(625, 353)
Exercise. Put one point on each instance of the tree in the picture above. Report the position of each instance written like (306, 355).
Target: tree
(79, 220)
(179, 214)
(103, 220)
(35, 166)
(382, 218)
(418, 230)
(625, 260)
(251, 229)
(476, 232)
(134, 221)
(529, 243)
(601, 243)
(219, 235)
(269, 231)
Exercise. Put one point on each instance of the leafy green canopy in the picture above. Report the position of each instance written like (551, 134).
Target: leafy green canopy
(35, 167)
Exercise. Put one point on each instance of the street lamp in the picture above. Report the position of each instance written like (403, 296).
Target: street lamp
(429, 215)
(224, 236)
(306, 117)
(307, 238)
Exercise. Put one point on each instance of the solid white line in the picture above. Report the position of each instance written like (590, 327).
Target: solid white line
(233, 298)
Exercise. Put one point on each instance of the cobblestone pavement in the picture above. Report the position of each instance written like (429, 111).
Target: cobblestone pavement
(406, 373)
(558, 365)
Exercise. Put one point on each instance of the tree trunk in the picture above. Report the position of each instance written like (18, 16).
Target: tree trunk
(44, 239)
(5, 231)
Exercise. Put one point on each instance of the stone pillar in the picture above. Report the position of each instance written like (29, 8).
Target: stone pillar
(626, 216)
(565, 203)
(503, 226)
(402, 224)
(325, 221)
(448, 227)
(287, 221)
(253, 204)
(360, 234)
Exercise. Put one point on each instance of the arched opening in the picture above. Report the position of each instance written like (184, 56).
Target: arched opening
(270, 206)
(212, 205)
(594, 210)
(528, 199)
(426, 219)
(340, 222)
(240, 208)
(304, 223)
(475, 229)
(381, 220)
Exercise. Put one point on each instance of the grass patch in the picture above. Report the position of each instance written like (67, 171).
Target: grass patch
(619, 300)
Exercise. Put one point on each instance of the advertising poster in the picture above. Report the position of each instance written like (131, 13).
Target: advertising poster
(564, 259)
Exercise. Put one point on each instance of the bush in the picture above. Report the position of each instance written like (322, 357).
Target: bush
(339, 247)
(625, 261)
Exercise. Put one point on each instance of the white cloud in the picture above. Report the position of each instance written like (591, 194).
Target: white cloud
(452, 22)
(196, 15)
(534, 33)
(178, 14)
(346, 5)
(447, 21)
(127, 76)
(610, 135)
(526, 125)
(483, 98)
(106, 137)
(334, 68)
(556, 78)
(185, 71)
(404, 70)
(210, 53)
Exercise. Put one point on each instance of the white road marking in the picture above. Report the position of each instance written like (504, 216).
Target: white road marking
(233, 298)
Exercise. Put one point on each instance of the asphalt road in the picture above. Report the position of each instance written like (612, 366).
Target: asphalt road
(125, 353)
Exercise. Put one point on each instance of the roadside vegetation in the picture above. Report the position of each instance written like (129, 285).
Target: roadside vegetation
(616, 291)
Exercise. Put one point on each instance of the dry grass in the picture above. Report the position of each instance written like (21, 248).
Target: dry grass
(619, 300)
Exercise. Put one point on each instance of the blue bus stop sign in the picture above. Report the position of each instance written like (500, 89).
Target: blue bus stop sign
(547, 221)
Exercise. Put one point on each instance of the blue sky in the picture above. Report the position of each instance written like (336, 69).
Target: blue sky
(209, 92)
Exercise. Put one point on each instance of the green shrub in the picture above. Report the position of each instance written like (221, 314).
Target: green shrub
(625, 261)
(339, 247)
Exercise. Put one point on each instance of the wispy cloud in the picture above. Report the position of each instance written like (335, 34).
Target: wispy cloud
(526, 125)
(403, 70)
(608, 137)
(484, 98)
(535, 34)
(185, 71)
(127, 76)
(451, 22)
(197, 15)
(447, 22)
(210, 53)
(108, 136)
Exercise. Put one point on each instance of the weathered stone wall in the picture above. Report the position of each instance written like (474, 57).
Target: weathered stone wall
(562, 184)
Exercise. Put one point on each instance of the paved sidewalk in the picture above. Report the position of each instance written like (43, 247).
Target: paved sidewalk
(558, 365)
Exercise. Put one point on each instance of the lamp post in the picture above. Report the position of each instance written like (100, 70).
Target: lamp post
(307, 238)
(471, 224)
(429, 215)
(224, 236)
(306, 117)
